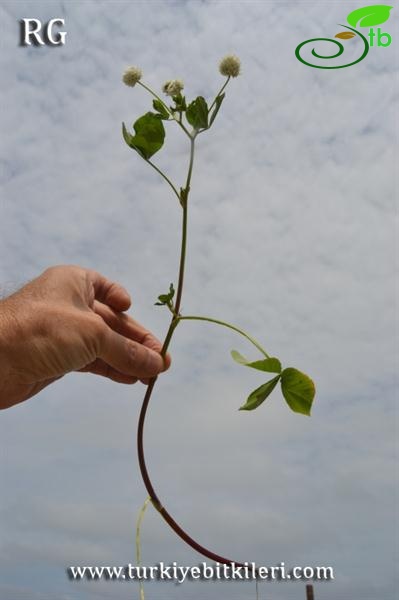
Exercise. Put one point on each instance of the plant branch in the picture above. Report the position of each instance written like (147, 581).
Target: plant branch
(220, 92)
(140, 430)
(224, 324)
(173, 324)
(155, 96)
(181, 124)
(162, 175)
(184, 229)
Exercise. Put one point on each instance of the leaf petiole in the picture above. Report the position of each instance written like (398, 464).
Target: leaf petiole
(229, 326)
(158, 170)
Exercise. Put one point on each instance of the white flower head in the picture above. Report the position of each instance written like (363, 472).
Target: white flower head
(230, 66)
(173, 87)
(131, 76)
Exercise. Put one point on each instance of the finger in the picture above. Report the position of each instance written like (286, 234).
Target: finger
(128, 327)
(128, 356)
(99, 367)
(109, 292)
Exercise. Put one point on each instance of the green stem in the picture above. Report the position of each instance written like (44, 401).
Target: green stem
(164, 176)
(184, 230)
(173, 324)
(184, 201)
(229, 326)
(147, 397)
(175, 318)
(191, 163)
(181, 124)
(155, 96)
(220, 92)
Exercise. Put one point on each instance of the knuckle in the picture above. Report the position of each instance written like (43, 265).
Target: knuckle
(97, 323)
(96, 329)
(141, 359)
(150, 341)
(54, 269)
(134, 354)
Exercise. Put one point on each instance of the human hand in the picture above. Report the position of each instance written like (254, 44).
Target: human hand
(71, 319)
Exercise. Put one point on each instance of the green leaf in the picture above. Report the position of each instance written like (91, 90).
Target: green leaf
(239, 358)
(150, 135)
(218, 103)
(369, 15)
(197, 113)
(161, 108)
(271, 365)
(166, 298)
(259, 395)
(126, 135)
(298, 390)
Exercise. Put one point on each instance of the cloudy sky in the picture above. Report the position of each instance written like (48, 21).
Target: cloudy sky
(292, 236)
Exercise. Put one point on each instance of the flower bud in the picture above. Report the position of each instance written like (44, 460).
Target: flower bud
(131, 76)
(173, 87)
(230, 66)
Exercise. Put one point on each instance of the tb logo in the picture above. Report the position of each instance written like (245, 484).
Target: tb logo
(30, 33)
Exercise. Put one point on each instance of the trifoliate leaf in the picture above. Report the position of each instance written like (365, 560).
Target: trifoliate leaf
(271, 365)
(259, 395)
(298, 390)
(197, 113)
(368, 16)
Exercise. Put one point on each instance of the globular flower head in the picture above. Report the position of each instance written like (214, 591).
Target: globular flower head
(173, 87)
(230, 66)
(131, 76)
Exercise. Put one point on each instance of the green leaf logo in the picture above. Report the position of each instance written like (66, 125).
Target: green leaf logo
(369, 15)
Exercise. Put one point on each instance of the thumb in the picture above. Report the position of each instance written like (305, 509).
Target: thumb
(128, 356)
